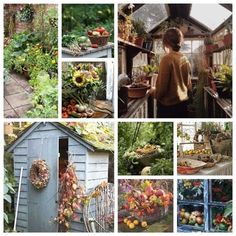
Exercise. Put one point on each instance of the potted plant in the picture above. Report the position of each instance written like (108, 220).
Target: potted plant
(224, 81)
(149, 70)
(209, 44)
(140, 29)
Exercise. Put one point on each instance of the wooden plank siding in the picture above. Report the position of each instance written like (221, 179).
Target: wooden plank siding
(78, 157)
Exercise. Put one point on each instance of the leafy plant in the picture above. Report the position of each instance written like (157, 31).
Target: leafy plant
(140, 28)
(25, 14)
(78, 19)
(44, 97)
(224, 78)
(8, 200)
(131, 137)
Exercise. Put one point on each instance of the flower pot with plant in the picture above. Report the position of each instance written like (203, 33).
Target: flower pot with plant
(224, 81)
(209, 44)
(140, 29)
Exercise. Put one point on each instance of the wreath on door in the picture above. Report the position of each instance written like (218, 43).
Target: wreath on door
(39, 174)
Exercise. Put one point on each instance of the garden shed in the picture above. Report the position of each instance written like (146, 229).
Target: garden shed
(57, 145)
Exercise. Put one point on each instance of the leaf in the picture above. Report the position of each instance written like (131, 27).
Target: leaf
(7, 197)
(228, 210)
(6, 217)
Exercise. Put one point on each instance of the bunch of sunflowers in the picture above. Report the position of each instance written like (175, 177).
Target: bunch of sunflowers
(85, 74)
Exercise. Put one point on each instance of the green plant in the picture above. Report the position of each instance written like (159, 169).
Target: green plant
(8, 200)
(224, 78)
(78, 19)
(44, 97)
(25, 14)
(45, 25)
(208, 40)
(139, 28)
(149, 69)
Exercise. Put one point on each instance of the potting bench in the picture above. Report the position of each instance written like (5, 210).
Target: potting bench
(100, 52)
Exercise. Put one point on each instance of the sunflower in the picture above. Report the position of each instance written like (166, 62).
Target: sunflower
(94, 75)
(79, 79)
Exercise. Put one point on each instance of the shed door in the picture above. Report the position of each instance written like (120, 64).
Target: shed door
(42, 206)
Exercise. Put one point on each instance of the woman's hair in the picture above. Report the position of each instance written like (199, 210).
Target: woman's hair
(173, 37)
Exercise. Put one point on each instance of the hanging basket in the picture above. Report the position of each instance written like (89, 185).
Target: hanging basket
(39, 174)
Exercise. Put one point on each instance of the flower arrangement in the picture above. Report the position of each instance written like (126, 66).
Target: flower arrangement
(26, 14)
(145, 200)
(81, 84)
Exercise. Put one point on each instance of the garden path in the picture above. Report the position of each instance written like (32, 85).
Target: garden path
(17, 93)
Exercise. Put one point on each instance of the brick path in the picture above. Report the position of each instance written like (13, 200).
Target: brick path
(16, 96)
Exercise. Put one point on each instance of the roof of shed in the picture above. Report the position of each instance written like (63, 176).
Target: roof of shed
(27, 131)
(197, 14)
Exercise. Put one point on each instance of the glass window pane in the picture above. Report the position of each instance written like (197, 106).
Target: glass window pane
(186, 47)
(190, 189)
(187, 219)
(219, 223)
(202, 13)
(151, 14)
(221, 190)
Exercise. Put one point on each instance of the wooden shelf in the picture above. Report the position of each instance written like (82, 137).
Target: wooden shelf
(134, 46)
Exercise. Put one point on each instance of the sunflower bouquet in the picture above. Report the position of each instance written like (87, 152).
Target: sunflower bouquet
(80, 87)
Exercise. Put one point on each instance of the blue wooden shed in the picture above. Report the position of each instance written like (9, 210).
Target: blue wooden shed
(54, 143)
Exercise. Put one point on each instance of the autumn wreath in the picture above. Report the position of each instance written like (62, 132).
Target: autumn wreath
(39, 174)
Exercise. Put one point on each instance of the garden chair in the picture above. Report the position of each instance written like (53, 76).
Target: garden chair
(98, 212)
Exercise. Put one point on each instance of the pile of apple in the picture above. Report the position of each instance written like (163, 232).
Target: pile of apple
(194, 218)
(132, 224)
(98, 32)
(200, 151)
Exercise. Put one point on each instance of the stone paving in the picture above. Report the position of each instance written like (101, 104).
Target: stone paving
(17, 93)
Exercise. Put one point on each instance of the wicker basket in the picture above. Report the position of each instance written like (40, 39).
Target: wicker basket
(99, 40)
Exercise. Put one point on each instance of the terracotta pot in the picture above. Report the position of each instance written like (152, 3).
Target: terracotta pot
(139, 41)
(210, 48)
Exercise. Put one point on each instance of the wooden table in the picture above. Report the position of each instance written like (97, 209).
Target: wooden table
(216, 107)
(100, 52)
(103, 104)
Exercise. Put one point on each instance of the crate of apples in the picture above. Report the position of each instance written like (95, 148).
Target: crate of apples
(98, 36)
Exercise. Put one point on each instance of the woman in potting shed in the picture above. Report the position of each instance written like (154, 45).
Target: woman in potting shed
(174, 48)
(174, 79)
